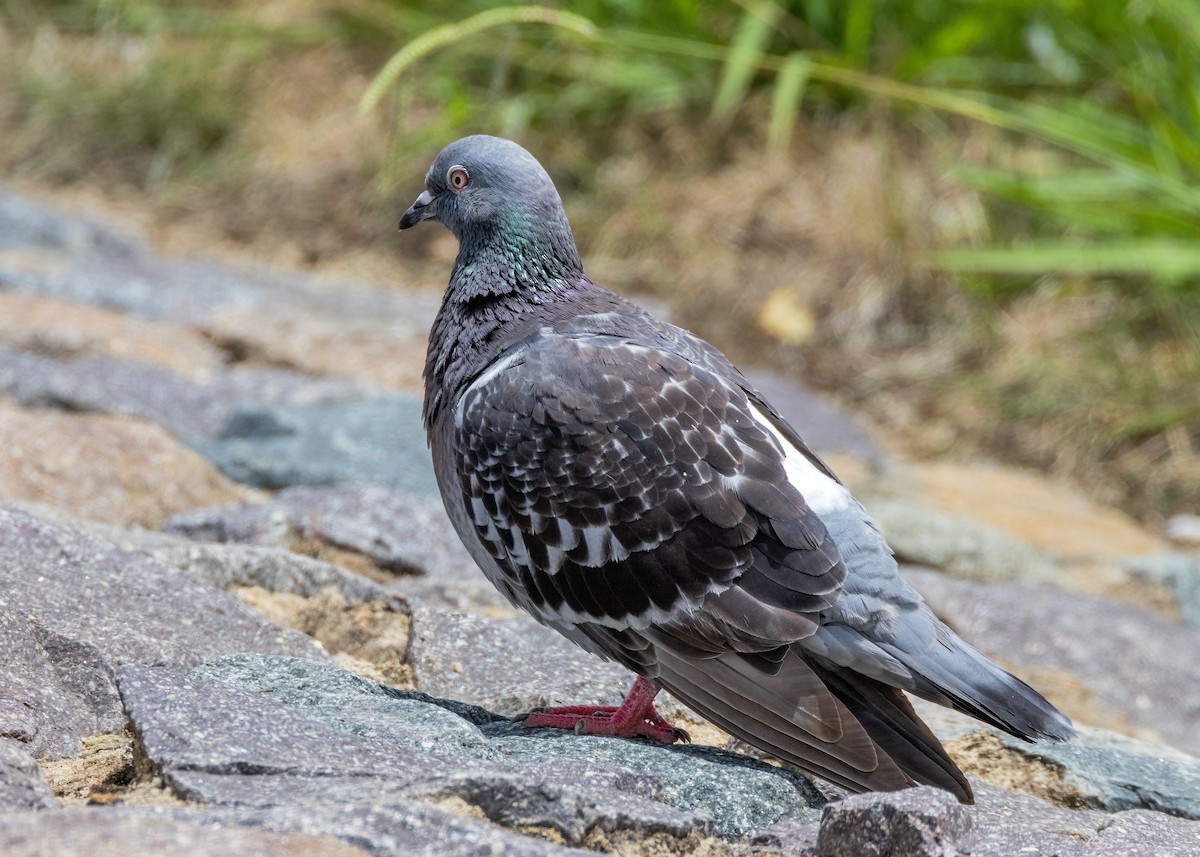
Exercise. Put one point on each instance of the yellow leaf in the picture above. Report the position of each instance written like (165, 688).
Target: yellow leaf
(785, 318)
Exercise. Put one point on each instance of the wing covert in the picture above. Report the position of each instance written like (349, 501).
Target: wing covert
(619, 484)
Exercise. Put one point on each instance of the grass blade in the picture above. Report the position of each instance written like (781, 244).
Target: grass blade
(449, 34)
(856, 44)
(744, 59)
(785, 101)
(1160, 258)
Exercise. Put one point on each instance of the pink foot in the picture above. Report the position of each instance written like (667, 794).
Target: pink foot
(635, 716)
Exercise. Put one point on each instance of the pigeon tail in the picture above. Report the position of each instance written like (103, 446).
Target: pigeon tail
(961, 677)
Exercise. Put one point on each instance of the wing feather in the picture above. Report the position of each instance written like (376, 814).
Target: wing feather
(663, 487)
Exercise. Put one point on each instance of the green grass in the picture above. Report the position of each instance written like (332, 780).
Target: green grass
(1110, 84)
(180, 113)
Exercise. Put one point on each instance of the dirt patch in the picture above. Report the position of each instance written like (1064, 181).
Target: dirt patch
(636, 844)
(1030, 507)
(352, 561)
(455, 805)
(369, 639)
(104, 774)
(699, 730)
(983, 755)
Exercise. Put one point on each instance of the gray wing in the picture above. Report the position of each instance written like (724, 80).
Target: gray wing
(621, 485)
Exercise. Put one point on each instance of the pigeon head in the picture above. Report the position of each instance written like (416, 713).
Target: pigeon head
(499, 202)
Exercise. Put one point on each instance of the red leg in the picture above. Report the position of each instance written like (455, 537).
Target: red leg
(635, 716)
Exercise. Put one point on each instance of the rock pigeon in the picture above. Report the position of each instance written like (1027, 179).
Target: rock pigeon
(616, 477)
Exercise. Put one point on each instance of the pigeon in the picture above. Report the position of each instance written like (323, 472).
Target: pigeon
(619, 479)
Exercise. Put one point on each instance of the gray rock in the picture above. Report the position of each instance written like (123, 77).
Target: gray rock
(136, 283)
(1109, 772)
(737, 795)
(570, 808)
(413, 721)
(1008, 823)
(568, 811)
(1002, 824)
(1098, 769)
(585, 782)
(35, 708)
(1135, 663)
(1180, 573)
(74, 607)
(380, 441)
(25, 224)
(386, 828)
(1184, 530)
(100, 267)
(397, 530)
(471, 658)
(792, 838)
(1143, 832)
(918, 822)
(193, 723)
(95, 832)
(22, 784)
(959, 546)
(191, 410)
(229, 566)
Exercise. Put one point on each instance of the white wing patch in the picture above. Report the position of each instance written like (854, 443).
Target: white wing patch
(824, 496)
(484, 379)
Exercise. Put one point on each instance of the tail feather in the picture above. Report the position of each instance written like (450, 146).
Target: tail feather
(852, 731)
(889, 718)
(962, 678)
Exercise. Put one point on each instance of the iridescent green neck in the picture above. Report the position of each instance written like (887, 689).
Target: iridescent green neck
(516, 255)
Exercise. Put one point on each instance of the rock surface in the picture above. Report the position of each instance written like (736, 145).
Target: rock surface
(908, 824)
(397, 531)
(22, 784)
(193, 410)
(75, 607)
(322, 670)
(379, 440)
(94, 832)
(108, 468)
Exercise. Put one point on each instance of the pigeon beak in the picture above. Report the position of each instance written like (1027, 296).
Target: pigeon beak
(419, 210)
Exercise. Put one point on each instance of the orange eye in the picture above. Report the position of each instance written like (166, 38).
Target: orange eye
(458, 178)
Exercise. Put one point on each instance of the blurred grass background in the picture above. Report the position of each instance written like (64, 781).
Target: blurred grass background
(978, 223)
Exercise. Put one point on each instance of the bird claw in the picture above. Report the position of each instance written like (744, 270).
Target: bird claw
(635, 717)
(602, 723)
